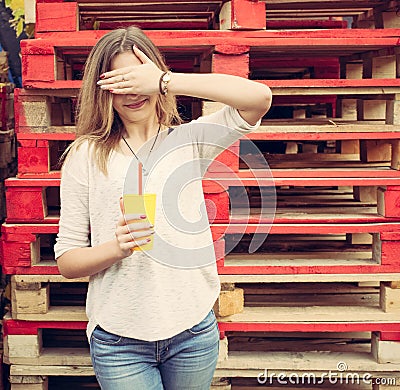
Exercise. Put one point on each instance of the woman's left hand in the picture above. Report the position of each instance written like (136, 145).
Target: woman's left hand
(140, 79)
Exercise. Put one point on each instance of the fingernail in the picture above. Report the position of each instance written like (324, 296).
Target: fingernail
(148, 240)
(102, 76)
(134, 47)
(111, 90)
(151, 226)
(142, 216)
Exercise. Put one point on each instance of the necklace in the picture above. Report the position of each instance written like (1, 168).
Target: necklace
(152, 146)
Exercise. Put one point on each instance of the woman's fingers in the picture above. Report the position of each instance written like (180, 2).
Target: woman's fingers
(142, 57)
(135, 236)
(114, 75)
(126, 218)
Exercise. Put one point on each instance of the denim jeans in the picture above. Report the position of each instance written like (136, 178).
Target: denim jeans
(186, 361)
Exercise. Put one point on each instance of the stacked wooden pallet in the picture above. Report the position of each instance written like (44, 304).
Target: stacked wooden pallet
(7, 141)
(296, 305)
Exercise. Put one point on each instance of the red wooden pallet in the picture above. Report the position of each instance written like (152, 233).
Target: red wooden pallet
(21, 252)
(19, 327)
(241, 14)
(39, 153)
(37, 200)
(230, 47)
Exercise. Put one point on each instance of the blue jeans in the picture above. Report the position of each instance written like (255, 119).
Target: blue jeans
(186, 361)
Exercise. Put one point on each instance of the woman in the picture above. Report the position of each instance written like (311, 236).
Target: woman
(151, 324)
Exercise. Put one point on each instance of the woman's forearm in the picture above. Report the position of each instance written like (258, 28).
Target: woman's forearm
(251, 98)
(80, 262)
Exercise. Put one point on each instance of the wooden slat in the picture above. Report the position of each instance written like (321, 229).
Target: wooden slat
(307, 278)
(248, 364)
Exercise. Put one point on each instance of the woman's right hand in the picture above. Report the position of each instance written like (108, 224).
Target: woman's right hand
(132, 231)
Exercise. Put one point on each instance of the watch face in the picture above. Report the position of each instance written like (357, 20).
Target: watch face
(166, 78)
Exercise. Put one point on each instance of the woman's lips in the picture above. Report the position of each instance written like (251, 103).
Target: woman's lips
(136, 105)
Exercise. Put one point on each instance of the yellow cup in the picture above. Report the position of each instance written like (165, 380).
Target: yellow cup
(143, 205)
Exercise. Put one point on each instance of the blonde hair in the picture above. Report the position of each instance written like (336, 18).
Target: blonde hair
(96, 120)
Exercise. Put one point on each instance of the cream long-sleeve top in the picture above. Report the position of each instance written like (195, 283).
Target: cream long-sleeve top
(156, 294)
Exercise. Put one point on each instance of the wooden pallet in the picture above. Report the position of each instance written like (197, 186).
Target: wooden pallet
(105, 15)
(305, 249)
(235, 14)
(63, 378)
(335, 143)
(230, 200)
(240, 52)
(383, 16)
(316, 9)
(283, 353)
(43, 342)
(54, 298)
(28, 248)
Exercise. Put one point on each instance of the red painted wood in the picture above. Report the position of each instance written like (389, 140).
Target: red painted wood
(311, 228)
(25, 134)
(33, 159)
(307, 327)
(246, 15)
(217, 206)
(201, 40)
(218, 212)
(213, 187)
(390, 251)
(28, 183)
(11, 232)
(389, 336)
(237, 65)
(219, 248)
(25, 203)
(227, 160)
(391, 202)
(49, 1)
(41, 67)
(47, 175)
(305, 219)
(320, 136)
(390, 236)
(15, 248)
(56, 17)
(332, 83)
(309, 270)
(383, 177)
(301, 83)
(19, 327)
(231, 49)
(353, 36)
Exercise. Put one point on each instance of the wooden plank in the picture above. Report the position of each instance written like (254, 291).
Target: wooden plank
(311, 315)
(385, 351)
(68, 370)
(300, 278)
(389, 298)
(248, 364)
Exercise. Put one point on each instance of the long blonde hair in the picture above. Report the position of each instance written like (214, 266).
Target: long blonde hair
(96, 120)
